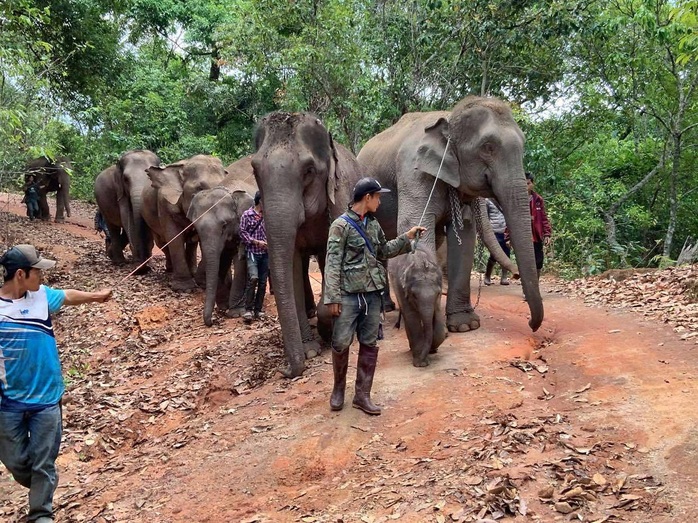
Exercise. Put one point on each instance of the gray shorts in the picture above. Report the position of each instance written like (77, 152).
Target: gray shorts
(361, 314)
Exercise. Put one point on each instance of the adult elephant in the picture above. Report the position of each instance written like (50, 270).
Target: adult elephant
(216, 214)
(475, 150)
(118, 191)
(166, 204)
(52, 176)
(306, 180)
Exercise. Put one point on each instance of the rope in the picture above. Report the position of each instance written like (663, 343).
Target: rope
(177, 236)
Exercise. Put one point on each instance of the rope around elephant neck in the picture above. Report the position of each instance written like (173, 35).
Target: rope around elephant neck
(173, 239)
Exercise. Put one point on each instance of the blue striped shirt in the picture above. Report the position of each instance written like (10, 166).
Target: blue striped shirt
(30, 368)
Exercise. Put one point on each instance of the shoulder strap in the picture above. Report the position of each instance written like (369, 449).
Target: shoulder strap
(360, 230)
(253, 229)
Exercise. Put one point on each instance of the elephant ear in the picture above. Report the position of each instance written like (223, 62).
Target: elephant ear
(433, 149)
(118, 175)
(168, 181)
(332, 175)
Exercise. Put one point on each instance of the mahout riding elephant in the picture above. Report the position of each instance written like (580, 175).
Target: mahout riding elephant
(417, 283)
(166, 204)
(216, 214)
(118, 191)
(475, 150)
(51, 176)
(306, 180)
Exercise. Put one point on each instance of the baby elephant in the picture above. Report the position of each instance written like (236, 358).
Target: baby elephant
(417, 281)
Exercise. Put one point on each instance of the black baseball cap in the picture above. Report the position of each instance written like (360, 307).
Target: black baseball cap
(367, 186)
(23, 256)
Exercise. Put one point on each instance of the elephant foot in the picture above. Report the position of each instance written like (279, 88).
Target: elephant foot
(463, 321)
(287, 372)
(311, 349)
(59, 220)
(183, 285)
(418, 361)
(235, 313)
(143, 270)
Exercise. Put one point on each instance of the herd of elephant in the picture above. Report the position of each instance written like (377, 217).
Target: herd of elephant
(438, 166)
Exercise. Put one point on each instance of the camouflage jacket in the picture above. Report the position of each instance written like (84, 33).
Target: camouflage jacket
(350, 267)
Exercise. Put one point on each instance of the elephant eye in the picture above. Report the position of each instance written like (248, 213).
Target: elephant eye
(488, 149)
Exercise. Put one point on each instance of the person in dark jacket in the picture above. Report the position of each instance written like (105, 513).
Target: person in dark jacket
(31, 197)
(540, 225)
(354, 282)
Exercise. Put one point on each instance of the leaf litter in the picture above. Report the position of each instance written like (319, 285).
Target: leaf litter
(121, 419)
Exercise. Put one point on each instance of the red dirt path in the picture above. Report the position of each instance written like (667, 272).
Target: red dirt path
(499, 415)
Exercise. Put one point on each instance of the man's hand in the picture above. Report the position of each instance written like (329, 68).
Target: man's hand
(260, 243)
(103, 295)
(547, 240)
(335, 309)
(412, 233)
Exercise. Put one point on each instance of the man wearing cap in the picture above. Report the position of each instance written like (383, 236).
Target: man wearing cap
(31, 384)
(354, 282)
(254, 236)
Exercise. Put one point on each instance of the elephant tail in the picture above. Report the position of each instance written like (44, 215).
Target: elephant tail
(399, 319)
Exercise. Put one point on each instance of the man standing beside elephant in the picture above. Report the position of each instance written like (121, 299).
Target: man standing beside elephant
(254, 236)
(354, 282)
(540, 225)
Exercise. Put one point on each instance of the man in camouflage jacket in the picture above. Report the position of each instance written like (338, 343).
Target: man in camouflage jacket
(354, 282)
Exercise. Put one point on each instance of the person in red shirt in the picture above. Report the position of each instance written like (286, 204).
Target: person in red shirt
(540, 225)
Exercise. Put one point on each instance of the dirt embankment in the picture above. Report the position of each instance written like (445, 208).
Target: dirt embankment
(589, 419)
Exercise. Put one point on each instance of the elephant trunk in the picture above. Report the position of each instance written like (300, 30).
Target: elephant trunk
(514, 198)
(211, 248)
(488, 238)
(138, 232)
(282, 229)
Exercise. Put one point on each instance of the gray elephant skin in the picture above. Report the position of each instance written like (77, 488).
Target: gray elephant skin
(417, 283)
(118, 191)
(476, 150)
(166, 201)
(52, 176)
(216, 214)
(306, 179)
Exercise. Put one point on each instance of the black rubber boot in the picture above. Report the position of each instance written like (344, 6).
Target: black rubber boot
(366, 367)
(340, 363)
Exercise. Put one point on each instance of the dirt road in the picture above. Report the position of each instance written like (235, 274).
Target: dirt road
(590, 419)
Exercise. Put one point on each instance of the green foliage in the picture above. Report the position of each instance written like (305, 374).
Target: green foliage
(89, 79)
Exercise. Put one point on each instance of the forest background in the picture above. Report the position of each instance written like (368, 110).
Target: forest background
(605, 92)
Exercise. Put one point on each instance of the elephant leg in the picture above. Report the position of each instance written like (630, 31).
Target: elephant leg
(182, 280)
(190, 248)
(60, 206)
(310, 307)
(388, 303)
(236, 299)
(115, 252)
(224, 280)
(440, 330)
(460, 314)
(44, 211)
(311, 346)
